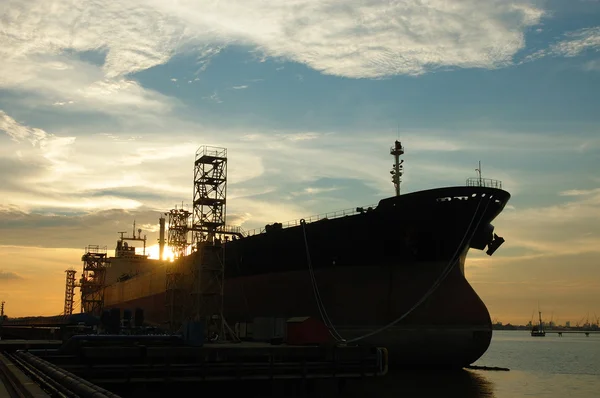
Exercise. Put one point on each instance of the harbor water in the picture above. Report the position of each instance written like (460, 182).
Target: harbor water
(550, 366)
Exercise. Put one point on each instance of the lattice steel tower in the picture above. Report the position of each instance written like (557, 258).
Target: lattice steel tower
(210, 190)
(177, 236)
(95, 261)
(69, 292)
(208, 228)
(177, 240)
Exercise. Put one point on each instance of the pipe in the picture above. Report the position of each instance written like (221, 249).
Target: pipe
(75, 341)
(74, 383)
(43, 380)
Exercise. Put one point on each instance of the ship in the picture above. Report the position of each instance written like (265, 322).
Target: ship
(390, 274)
(538, 330)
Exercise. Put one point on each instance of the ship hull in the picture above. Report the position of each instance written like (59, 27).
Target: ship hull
(395, 273)
(452, 328)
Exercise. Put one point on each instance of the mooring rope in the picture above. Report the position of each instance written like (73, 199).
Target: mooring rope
(320, 306)
(453, 261)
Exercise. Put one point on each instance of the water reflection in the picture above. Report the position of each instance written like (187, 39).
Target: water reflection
(461, 383)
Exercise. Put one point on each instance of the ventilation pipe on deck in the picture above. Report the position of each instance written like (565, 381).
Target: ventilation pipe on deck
(161, 239)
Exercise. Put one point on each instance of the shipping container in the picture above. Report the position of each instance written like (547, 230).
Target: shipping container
(307, 330)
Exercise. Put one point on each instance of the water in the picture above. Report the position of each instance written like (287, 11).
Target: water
(548, 366)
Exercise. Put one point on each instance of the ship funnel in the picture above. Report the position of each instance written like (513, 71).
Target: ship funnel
(161, 238)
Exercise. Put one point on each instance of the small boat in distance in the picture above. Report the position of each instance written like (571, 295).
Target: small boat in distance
(538, 330)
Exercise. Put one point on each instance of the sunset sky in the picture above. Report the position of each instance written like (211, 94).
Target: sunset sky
(104, 103)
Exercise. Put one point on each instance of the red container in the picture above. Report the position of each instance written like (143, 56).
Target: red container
(306, 330)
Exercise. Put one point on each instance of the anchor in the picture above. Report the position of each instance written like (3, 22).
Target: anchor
(496, 242)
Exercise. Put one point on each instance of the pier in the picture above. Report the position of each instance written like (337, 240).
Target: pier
(560, 332)
(94, 365)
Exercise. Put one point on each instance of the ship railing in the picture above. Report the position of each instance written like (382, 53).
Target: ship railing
(95, 249)
(316, 217)
(211, 151)
(484, 182)
(232, 229)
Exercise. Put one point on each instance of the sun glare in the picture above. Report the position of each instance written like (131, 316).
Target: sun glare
(152, 252)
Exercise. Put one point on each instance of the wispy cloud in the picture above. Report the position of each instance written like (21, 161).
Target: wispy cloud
(577, 42)
(8, 275)
(592, 66)
(52, 148)
(579, 192)
(315, 191)
(573, 44)
(214, 97)
(239, 87)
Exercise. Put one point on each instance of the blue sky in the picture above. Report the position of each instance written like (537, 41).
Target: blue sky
(103, 104)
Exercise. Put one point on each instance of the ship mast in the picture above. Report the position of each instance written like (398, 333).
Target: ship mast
(396, 172)
(478, 170)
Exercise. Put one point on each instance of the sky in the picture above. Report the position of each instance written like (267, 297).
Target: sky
(103, 105)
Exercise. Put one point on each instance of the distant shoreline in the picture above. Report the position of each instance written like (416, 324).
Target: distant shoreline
(593, 328)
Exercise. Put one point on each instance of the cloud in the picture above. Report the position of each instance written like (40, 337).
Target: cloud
(577, 42)
(45, 47)
(592, 66)
(239, 87)
(7, 275)
(133, 37)
(357, 39)
(214, 97)
(73, 229)
(573, 44)
(300, 136)
(19, 132)
(53, 148)
(373, 39)
(57, 80)
(579, 192)
(316, 190)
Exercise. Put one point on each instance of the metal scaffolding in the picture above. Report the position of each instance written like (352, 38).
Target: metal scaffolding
(177, 237)
(206, 295)
(208, 222)
(210, 190)
(177, 241)
(69, 292)
(95, 261)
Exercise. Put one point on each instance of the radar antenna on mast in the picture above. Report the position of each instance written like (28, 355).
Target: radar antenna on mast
(396, 171)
